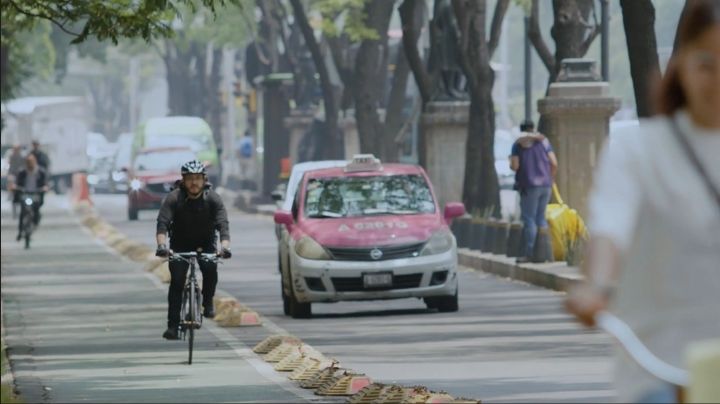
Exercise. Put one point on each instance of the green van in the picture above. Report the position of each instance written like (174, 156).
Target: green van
(179, 131)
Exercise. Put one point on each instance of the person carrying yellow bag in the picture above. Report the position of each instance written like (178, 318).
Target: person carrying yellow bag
(535, 165)
(567, 229)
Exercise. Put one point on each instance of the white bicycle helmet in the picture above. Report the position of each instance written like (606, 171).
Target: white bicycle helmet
(193, 167)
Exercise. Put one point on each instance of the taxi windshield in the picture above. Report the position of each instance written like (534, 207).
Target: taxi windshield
(367, 196)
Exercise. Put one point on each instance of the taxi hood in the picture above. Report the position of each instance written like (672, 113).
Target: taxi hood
(373, 230)
(155, 177)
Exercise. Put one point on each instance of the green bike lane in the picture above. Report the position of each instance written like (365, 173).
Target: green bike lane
(83, 324)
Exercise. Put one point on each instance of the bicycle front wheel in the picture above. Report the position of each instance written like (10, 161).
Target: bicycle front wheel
(192, 317)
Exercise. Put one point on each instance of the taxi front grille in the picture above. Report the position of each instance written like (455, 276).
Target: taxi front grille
(356, 284)
(366, 254)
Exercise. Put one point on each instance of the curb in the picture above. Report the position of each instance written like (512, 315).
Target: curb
(552, 275)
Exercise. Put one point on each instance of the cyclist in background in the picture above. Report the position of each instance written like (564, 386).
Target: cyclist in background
(190, 215)
(32, 178)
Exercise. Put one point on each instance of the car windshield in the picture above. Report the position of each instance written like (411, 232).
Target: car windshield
(366, 196)
(195, 142)
(161, 161)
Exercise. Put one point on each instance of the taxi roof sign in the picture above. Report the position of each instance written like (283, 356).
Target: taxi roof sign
(363, 162)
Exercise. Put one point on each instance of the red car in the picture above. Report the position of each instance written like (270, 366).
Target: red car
(152, 175)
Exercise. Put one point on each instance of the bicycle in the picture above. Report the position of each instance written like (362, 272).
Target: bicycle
(191, 308)
(629, 341)
(28, 200)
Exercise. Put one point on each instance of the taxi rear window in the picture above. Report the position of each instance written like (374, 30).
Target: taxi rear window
(336, 197)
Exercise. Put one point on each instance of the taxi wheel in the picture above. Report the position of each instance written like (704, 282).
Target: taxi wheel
(285, 298)
(297, 309)
(446, 304)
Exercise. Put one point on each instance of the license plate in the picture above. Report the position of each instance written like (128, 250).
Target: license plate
(377, 280)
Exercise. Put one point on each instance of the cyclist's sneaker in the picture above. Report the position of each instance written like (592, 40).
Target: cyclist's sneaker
(171, 333)
(19, 236)
(209, 311)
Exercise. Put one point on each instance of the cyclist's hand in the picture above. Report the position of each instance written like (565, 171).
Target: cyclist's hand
(162, 251)
(225, 253)
(584, 301)
(46, 188)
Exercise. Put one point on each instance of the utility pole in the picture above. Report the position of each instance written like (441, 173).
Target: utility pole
(133, 93)
(229, 133)
(605, 39)
(528, 71)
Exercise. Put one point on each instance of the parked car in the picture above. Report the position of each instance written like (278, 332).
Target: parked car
(152, 175)
(366, 231)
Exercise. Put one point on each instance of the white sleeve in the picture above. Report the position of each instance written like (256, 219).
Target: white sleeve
(614, 202)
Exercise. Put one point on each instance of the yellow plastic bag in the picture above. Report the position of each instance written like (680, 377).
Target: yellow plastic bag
(566, 226)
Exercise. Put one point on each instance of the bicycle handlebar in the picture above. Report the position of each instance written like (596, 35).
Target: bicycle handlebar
(185, 256)
(639, 352)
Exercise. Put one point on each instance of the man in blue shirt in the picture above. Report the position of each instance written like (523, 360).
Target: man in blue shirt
(535, 166)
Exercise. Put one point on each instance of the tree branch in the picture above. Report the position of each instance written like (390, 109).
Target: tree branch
(501, 8)
(537, 40)
(43, 16)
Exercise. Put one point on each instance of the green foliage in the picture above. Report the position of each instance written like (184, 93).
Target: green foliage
(30, 53)
(344, 17)
(108, 19)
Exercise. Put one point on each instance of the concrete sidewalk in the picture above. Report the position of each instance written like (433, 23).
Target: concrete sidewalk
(84, 324)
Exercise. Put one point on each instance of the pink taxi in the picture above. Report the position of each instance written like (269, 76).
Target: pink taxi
(366, 231)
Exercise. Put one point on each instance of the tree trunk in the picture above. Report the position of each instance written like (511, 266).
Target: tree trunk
(394, 118)
(412, 15)
(639, 23)
(332, 149)
(213, 106)
(481, 191)
(369, 77)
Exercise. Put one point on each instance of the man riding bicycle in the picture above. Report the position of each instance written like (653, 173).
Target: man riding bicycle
(31, 179)
(191, 213)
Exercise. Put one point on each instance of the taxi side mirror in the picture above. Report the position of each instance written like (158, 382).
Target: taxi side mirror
(283, 217)
(453, 210)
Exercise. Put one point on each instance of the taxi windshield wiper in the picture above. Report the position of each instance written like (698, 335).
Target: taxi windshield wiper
(325, 214)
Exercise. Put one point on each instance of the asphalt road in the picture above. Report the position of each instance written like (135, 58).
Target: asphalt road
(510, 342)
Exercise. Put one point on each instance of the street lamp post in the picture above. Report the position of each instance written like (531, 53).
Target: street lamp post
(528, 72)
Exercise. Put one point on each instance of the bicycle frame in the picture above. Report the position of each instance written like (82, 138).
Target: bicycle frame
(190, 312)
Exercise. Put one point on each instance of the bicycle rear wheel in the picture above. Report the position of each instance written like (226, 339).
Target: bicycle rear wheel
(192, 316)
(28, 227)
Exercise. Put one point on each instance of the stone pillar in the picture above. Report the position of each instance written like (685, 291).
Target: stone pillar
(352, 142)
(298, 123)
(578, 109)
(444, 129)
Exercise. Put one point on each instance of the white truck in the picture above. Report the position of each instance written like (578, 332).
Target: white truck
(60, 124)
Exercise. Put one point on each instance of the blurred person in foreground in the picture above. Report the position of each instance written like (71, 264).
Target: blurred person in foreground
(535, 165)
(30, 179)
(654, 258)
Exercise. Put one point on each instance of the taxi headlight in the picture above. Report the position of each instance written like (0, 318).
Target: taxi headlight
(310, 249)
(440, 242)
(136, 184)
